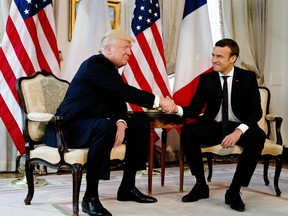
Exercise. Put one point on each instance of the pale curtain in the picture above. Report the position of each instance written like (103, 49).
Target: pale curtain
(245, 22)
(172, 15)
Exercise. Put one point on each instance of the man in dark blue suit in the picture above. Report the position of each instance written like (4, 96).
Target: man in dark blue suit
(95, 116)
(244, 111)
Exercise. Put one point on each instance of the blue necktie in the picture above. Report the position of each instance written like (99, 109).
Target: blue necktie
(225, 107)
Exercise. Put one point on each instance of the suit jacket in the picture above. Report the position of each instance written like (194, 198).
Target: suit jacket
(97, 91)
(245, 97)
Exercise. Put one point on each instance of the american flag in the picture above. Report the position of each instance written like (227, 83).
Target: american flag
(29, 44)
(146, 68)
(194, 50)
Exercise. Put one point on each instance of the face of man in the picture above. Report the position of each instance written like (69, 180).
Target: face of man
(221, 59)
(119, 52)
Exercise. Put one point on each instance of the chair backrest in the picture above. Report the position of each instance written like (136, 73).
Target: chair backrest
(265, 100)
(42, 93)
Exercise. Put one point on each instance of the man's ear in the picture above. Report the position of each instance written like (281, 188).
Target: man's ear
(107, 49)
(233, 58)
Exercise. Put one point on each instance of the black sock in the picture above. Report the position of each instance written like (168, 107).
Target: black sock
(91, 190)
(235, 188)
(128, 180)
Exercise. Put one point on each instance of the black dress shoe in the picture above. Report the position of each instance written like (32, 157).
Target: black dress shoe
(93, 207)
(199, 191)
(134, 195)
(233, 199)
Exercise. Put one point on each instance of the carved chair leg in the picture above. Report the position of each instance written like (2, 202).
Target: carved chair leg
(210, 168)
(77, 178)
(30, 182)
(265, 171)
(277, 175)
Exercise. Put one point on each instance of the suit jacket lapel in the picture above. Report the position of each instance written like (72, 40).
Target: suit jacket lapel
(235, 83)
(218, 87)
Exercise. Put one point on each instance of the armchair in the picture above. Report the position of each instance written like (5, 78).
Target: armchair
(40, 95)
(272, 147)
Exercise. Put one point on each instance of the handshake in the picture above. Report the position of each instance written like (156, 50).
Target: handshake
(168, 105)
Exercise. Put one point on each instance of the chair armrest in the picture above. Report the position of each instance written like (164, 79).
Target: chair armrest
(61, 143)
(278, 122)
(272, 117)
(46, 117)
(39, 117)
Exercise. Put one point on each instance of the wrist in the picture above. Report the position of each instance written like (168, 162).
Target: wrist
(238, 130)
(121, 123)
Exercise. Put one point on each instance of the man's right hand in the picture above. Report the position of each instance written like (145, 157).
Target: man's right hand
(168, 105)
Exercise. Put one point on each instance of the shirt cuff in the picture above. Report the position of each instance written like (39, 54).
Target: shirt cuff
(156, 103)
(243, 128)
(180, 111)
(121, 120)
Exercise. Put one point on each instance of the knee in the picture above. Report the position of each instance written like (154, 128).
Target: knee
(256, 136)
(260, 136)
(107, 127)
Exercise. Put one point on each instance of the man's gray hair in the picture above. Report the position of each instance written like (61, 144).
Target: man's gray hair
(112, 36)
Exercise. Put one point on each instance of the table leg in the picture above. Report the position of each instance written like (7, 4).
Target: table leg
(151, 159)
(163, 154)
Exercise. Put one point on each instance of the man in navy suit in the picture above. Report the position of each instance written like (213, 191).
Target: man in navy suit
(244, 111)
(95, 116)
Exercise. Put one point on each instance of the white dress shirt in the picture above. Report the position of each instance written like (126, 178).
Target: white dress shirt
(231, 116)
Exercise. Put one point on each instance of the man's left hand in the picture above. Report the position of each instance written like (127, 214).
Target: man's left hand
(231, 139)
(120, 134)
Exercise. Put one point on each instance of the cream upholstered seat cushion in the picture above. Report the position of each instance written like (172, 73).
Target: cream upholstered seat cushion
(46, 153)
(219, 150)
(271, 148)
(80, 155)
(74, 156)
(118, 152)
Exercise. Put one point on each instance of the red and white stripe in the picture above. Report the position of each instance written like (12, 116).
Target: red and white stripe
(146, 68)
(193, 54)
(27, 46)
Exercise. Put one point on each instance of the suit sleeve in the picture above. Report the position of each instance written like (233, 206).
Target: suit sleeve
(197, 102)
(248, 104)
(107, 78)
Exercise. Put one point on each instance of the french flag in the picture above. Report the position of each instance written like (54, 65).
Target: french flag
(194, 51)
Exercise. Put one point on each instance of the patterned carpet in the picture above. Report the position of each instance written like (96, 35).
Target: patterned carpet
(55, 197)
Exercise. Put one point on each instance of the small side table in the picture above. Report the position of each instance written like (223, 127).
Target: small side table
(164, 121)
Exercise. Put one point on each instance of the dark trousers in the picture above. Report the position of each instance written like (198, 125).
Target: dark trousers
(209, 133)
(99, 136)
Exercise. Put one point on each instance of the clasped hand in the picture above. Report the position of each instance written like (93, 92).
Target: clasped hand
(168, 105)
